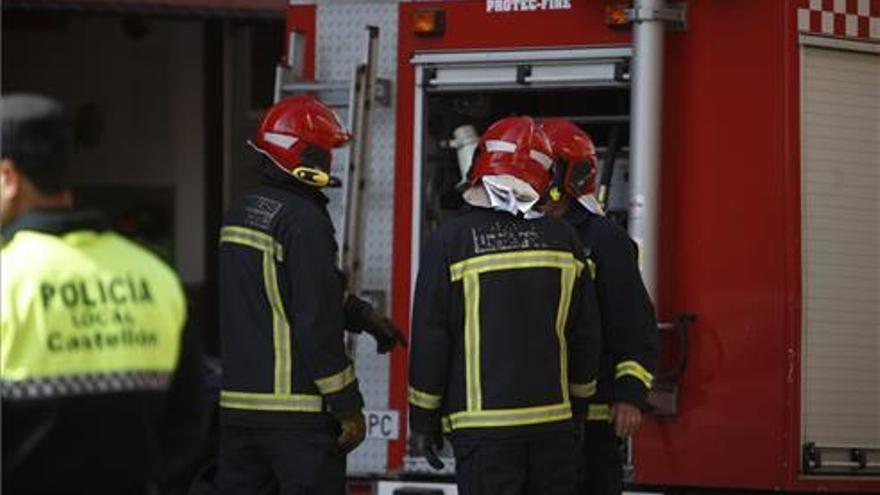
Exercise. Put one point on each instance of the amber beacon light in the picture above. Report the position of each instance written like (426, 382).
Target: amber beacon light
(429, 22)
(617, 14)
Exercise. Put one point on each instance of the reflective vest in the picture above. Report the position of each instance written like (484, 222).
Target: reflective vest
(86, 312)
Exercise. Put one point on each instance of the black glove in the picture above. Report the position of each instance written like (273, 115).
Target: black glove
(427, 444)
(361, 317)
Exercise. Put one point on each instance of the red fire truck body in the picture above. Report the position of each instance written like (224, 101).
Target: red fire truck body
(735, 215)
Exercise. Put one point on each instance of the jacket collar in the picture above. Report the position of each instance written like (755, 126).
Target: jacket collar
(274, 177)
(56, 222)
(576, 213)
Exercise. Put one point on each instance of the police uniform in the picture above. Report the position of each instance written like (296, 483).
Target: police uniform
(99, 380)
(629, 344)
(504, 347)
(285, 370)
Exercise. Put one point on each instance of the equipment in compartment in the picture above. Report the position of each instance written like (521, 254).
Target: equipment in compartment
(452, 114)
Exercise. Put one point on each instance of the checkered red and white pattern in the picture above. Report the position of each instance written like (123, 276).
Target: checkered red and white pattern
(852, 19)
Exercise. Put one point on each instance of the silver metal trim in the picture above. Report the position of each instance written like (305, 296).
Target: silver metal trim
(872, 47)
(521, 56)
(415, 233)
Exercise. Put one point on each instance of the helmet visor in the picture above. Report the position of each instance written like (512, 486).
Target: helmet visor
(579, 176)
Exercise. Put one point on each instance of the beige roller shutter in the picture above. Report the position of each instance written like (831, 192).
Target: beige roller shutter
(840, 131)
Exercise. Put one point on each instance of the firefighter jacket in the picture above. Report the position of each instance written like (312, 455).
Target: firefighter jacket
(629, 327)
(505, 330)
(281, 310)
(99, 380)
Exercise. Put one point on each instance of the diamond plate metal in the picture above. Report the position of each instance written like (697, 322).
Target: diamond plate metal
(339, 48)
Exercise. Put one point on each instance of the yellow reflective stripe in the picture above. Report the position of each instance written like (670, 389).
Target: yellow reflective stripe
(634, 369)
(514, 260)
(334, 383)
(271, 402)
(252, 238)
(424, 399)
(598, 412)
(280, 326)
(509, 417)
(591, 265)
(583, 390)
(566, 283)
(472, 342)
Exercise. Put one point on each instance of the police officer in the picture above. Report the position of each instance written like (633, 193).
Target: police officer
(629, 329)
(505, 334)
(99, 381)
(290, 404)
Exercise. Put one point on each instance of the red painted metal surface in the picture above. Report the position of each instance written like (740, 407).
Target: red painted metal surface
(302, 19)
(730, 223)
(467, 25)
(723, 249)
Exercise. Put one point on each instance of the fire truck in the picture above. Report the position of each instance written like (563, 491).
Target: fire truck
(740, 146)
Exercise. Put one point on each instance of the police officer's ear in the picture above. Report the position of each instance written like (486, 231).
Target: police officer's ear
(10, 190)
(10, 179)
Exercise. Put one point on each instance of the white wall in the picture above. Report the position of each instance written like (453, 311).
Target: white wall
(150, 91)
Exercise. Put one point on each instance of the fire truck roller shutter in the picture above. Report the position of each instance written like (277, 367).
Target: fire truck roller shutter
(840, 187)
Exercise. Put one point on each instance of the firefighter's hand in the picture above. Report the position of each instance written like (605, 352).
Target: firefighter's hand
(387, 335)
(427, 444)
(360, 316)
(354, 429)
(626, 419)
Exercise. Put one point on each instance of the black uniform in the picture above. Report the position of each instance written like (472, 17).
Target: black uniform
(505, 346)
(629, 344)
(285, 371)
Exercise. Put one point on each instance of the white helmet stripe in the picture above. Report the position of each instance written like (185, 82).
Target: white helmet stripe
(498, 145)
(283, 140)
(541, 158)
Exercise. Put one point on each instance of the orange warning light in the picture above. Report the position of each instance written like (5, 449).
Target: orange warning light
(429, 22)
(617, 14)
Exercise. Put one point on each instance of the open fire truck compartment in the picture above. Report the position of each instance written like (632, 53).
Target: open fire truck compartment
(768, 215)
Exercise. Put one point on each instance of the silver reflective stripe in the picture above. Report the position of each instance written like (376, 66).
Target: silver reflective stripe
(85, 384)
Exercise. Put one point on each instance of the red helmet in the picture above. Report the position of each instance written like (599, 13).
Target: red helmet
(297, 134)
(573, 148)
(514, 146)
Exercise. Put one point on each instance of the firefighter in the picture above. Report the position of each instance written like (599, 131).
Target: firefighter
(99, 380)
(290, 404)
(629, 328)
(505, 330)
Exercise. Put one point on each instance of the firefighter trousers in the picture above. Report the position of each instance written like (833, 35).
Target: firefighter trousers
(601, 463)
(539, 465)
(278, 461)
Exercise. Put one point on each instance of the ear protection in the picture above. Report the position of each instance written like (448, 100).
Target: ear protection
(314, 169)
(558, 182)
(315, 177)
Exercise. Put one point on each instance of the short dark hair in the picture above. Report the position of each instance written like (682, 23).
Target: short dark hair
(37, 138)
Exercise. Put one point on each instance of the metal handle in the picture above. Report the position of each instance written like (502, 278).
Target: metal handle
(679, 326)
